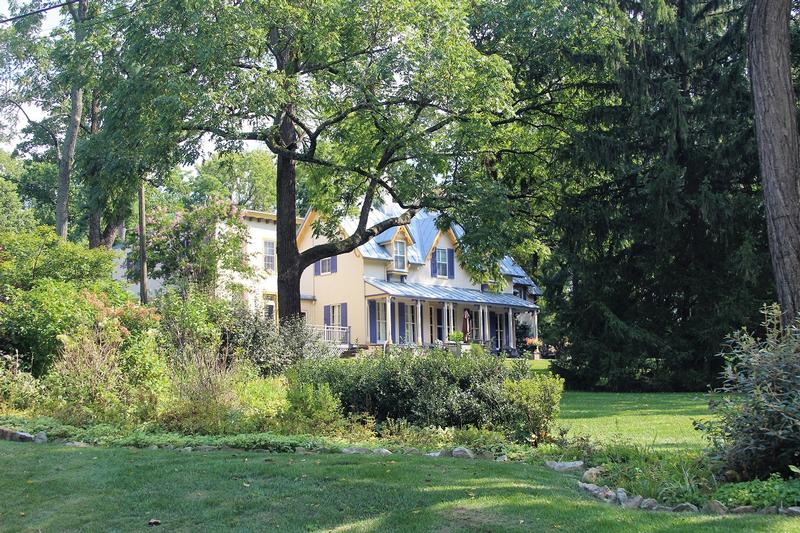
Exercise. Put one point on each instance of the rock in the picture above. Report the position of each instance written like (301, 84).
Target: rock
(792, 511)
(186, 449)
(685, 507)
(607, 495)
(433, 454)
(622, 496)
(16, 436)
(447, 452)
(743, 509)
(633, 502)
(489, 456)
(153, 522)
(463, 453)
(356, 451)
(381, 451)
(570, 466)
(648, 504)
(660, 507)
(410, 451)
(206, 448)
(715, 507)
(591, 488)
(593, 474)
(77, 444)
(40, 438)
(152, 447)
(502, 459)
(769, 510)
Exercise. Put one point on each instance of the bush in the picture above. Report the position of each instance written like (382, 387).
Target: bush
(29, 257)
(95, 381)
(758, 427)
(313, 408)
(761, 493)
(273, 349)
(18, 389)
(436, 389)
(532, 406)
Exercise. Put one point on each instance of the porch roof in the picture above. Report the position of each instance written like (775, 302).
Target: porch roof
(449, 294)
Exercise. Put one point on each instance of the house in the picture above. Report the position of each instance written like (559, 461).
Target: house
(407, 286)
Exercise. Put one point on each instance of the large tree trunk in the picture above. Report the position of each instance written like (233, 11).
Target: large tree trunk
(289, 271)
(71, 135)
(778, 144)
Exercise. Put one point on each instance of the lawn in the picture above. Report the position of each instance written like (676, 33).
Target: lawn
(663, 420)
(55, 488)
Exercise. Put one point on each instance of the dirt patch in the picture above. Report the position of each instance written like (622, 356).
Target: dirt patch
(460, 518)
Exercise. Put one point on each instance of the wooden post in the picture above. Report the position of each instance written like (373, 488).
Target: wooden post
(419, 322)
(142, 247)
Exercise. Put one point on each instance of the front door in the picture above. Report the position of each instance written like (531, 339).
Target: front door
(439, 324)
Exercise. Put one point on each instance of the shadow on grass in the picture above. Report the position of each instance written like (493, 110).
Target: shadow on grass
(61, 489)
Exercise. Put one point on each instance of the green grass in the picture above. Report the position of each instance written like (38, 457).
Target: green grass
(663, 420)
(55, 488)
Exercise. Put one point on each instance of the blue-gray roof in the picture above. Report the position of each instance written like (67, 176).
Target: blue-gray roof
(449, 294)
(423, 232)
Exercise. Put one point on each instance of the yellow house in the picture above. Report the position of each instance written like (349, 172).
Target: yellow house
(407, 286)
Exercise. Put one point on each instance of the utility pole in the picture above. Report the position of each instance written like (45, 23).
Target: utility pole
(142, 247)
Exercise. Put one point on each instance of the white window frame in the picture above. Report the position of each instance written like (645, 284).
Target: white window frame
(336, 315)
(441, 272)
(325, 265)
(411, 323)
(401, 256)
(380, 321)
(269, 258)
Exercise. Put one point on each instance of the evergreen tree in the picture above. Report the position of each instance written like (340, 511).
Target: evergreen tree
(664, 252)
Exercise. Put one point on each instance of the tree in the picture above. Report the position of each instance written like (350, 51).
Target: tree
(778, 144)
(373, 99)
(246, 179)
(660, 252)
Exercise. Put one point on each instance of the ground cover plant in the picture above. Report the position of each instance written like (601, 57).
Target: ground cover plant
(122, 489)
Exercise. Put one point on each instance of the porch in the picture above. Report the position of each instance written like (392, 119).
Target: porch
(424, 315)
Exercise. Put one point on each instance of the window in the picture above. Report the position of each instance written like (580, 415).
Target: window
(336, 315)
(269, 306)
(269, 256)
(399, 255)
(411, 324)
(325, 266)
(441, 262)
(380, 312)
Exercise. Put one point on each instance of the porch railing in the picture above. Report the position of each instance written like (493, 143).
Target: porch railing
(337, 335)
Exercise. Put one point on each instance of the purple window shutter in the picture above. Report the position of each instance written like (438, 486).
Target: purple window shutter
(316, 268)
(333, 264)
(344, 314)
(401, 319)
(326, 315)
(373, 322)
(433, 264)
(451, 263)
(394, 321)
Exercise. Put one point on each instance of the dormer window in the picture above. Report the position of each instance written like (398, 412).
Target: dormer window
(441, 263)
(400, 255)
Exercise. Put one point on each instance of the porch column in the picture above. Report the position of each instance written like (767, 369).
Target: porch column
(445, 320)
(419, 322)
(512, 341)
(389, 319)
(535, 323)
(485, 323)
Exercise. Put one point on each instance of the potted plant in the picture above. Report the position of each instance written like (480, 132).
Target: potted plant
(457, 339)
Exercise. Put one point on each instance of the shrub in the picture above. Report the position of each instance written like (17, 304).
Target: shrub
(761, 493)
(95, 381)
(313, 408)
(273, 349)
(29, 257)
(18, 389)
(435, 389)
(532, 406)
(758, 428)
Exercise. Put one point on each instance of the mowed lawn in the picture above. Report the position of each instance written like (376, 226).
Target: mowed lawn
(661, 420)
(55, 488)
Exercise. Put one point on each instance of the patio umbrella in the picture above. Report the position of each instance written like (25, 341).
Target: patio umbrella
(466, 324)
